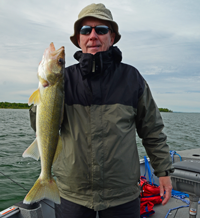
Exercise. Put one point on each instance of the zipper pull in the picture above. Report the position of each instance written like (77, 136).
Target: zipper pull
(93, 67)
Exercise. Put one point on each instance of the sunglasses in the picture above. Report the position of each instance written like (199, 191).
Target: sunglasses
(100, 30)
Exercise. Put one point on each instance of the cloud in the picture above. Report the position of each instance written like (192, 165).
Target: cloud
(160, 38)
(178, 101)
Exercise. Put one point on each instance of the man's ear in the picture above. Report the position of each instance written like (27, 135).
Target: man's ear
(78, 39)
(112, 38)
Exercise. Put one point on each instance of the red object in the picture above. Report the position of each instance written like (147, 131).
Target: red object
(149, 196)
(146, 209)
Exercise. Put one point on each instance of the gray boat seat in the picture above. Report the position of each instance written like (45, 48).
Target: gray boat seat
(186, 178)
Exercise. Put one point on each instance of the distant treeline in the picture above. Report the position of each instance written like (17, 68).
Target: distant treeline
(14, 105)
(164, 110)
(26, 106)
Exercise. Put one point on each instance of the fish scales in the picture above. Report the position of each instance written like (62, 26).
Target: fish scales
(49, 99)
(49, 113)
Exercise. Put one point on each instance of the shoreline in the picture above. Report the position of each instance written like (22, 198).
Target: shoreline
(14, 108)
(30, 107)
(8, 105)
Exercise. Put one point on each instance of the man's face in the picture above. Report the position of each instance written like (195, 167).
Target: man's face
(93, 42)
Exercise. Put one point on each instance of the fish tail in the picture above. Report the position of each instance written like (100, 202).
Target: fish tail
(43, 189)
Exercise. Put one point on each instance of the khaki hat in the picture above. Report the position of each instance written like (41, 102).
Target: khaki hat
(98, 11)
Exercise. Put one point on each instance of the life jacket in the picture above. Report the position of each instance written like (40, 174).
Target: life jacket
(149, 194)
(146, 209)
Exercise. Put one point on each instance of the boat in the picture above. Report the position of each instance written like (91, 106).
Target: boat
(186, 178)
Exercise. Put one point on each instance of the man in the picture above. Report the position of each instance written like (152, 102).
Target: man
(106, 101)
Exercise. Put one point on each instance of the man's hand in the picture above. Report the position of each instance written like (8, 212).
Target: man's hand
(165, 185)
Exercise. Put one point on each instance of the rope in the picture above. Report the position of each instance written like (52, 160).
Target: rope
(175, 209)
(182, 199)
(148, 169)
(172, 153)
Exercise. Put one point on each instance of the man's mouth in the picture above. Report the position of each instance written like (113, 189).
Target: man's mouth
(94, 46)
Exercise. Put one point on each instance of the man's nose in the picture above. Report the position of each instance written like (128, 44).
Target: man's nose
(93, 34)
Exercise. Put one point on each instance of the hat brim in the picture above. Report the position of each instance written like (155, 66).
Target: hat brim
(77, 26)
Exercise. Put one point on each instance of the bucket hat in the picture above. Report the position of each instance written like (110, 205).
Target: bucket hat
(98, 11)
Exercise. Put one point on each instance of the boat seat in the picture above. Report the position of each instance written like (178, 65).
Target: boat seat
(186, 178)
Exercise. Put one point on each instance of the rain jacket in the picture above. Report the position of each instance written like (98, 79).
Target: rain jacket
(106, 102)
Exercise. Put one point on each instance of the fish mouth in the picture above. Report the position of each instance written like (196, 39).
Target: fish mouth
(50, 68)
(52, 53)
(56, 55)
(59, 54)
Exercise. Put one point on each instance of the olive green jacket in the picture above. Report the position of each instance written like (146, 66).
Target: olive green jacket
(106, 102)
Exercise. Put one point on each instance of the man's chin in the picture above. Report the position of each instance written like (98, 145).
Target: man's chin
(94, 50)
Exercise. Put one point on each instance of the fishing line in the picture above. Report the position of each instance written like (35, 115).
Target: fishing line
(13, 181)
(24, 188)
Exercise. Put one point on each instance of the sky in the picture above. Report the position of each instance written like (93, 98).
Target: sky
(160, 38)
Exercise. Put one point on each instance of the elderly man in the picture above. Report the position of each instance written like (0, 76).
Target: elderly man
(106, 102)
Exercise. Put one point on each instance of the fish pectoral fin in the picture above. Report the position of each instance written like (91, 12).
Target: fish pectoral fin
(58, 149)
(32, 151)
(43, 189)
(34, 98)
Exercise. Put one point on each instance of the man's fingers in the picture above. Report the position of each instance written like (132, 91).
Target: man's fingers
(161, 191)
(165, 185)
(166, 197)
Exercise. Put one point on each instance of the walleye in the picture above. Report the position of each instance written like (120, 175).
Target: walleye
(49, 98)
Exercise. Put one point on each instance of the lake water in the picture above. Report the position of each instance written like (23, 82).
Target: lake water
(182, 129)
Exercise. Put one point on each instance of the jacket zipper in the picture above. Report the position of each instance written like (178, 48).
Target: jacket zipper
(93, 67)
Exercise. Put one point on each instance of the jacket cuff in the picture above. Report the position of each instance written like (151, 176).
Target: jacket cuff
(164, 173)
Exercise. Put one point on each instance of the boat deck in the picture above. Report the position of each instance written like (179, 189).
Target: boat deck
(44, 211)
(161, 211)
(183, 212)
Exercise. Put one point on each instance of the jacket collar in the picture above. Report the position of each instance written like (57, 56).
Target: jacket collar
(92, 65)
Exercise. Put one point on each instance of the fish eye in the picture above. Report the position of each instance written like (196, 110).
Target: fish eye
(61, 61)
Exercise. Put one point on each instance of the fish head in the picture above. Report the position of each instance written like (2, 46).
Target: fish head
(52, 65)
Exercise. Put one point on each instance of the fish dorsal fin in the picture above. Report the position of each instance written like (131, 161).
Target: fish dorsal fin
(32, 151)
(34, 98)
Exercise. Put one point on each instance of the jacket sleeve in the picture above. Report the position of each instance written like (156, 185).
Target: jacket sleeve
(32, 114)
(149, 127)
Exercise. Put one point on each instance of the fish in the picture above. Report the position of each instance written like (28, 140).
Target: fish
(49, 99)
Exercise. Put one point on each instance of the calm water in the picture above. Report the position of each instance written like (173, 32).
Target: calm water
(183, 130)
